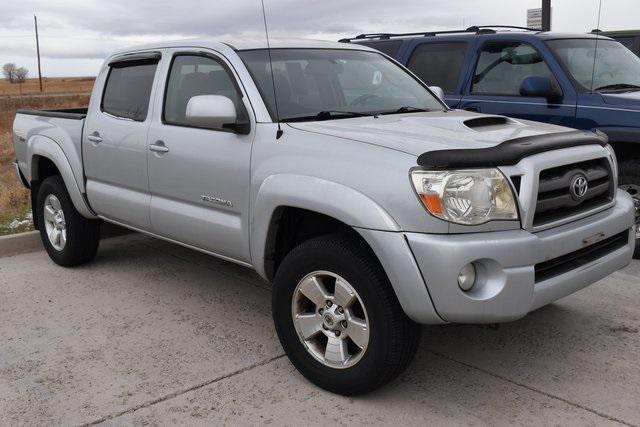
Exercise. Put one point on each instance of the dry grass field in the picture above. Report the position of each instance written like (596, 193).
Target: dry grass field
(59, 93)
(49, 85)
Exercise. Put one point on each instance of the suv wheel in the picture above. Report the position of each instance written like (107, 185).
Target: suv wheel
(630, 182)
(68, 237)
(338, 318)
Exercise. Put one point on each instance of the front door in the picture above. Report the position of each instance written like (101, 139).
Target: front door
(496, 82)
(199, 177)
(115, 139)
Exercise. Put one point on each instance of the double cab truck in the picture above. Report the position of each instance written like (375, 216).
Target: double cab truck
(583, 81)
(341, 178)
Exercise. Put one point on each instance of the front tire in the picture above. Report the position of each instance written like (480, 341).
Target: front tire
(69, 238)
(630, 182)
(338, 318)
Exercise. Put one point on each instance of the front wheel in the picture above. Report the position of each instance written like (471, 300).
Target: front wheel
(630, 182)
(338, 318)
(69, 238)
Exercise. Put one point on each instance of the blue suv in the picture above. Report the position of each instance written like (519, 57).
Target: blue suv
(584, 81)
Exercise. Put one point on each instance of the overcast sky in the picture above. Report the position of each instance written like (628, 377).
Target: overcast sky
(75, 35)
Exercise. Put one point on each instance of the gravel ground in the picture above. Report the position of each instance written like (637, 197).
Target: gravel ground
(152, 333)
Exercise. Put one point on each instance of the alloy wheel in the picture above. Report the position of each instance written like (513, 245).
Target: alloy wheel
(54, 222)
(330, 319)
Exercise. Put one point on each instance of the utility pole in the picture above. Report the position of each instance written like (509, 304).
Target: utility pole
(546, 15)
(35, 20)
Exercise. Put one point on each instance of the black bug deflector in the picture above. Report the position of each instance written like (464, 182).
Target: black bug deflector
(509, 152)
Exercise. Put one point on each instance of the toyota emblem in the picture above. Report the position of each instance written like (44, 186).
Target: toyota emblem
(579, 186)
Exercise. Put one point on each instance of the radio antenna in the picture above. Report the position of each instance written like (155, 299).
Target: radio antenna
(279, 132)
(595, 50)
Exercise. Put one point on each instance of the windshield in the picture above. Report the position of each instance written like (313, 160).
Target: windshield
(616, 67)
(319, 84)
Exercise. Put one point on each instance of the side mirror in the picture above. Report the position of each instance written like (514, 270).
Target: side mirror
(542, 87)
(211, 112)
(437, 90)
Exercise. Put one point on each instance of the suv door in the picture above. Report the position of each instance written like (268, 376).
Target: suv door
(199, 177)
(496, 85)
(440, 64)
(114, 145)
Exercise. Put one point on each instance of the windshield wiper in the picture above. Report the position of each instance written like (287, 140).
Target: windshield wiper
(328, 115)
(406, 109)
(618, 86)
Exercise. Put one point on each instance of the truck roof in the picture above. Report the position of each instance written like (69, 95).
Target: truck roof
(243, 43)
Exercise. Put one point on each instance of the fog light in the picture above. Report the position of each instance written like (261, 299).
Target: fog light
(467, 277)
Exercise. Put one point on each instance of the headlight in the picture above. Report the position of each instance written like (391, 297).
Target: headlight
(469, 197)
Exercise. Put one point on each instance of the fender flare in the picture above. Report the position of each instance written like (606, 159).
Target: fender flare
(39, 145)
(314, 194)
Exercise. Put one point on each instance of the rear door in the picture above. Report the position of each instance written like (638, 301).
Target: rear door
(115, 137)
(441, 64)
(494, 85)
(199, 178)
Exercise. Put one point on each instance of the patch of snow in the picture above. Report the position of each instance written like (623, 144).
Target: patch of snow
(21, 221)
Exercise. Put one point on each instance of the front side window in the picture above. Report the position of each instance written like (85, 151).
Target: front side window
(191, 76)
(609, 66)
(502, 66)
(313, 84)
(439, 64)
(128, 89)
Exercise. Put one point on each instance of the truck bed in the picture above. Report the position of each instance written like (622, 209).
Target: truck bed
(60, 129)
(62, 113)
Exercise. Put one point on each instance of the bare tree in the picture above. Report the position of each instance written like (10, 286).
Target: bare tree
(21, 75)
(9, 71)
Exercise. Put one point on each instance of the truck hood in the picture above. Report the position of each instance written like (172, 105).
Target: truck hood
(629, 100)
(416, 133)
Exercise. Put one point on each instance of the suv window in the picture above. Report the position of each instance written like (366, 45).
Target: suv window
(389, 47)
(628, 42)
(193, 75)
(439, 64)
(128, 88)
(502, 67)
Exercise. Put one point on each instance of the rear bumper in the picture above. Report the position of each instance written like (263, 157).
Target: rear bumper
(506, 288)
(19, 175)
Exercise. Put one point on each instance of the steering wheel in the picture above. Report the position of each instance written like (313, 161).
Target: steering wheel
(363, 98)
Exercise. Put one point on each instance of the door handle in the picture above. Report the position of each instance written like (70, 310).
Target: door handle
(95, 137)
(474, 109)
(159, 147)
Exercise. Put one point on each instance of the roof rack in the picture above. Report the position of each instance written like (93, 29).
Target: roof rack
(476, 29)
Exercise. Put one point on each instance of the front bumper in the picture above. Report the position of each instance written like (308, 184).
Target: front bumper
(506, 288)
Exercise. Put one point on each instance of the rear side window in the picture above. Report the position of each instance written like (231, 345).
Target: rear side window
(127, 91)
(439, 64)
(502, 66)
(389, 47)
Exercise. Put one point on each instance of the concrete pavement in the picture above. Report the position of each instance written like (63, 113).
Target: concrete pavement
(152, 333)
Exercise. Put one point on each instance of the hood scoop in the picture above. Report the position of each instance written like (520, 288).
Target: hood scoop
(482, 123)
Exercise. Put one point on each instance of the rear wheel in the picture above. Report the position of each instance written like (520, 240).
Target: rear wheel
(68, 237)
(338, 318)
(630, 182)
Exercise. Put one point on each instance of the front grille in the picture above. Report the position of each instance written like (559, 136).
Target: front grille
(557, 266)
(555, 199)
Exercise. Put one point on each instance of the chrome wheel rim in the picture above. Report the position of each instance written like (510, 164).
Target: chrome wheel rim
(54, 222)
(634, 191)
(330, 319)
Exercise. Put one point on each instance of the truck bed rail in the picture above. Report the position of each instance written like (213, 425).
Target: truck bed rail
(64, 113)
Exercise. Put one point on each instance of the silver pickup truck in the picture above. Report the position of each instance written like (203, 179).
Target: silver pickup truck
(339, 177)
